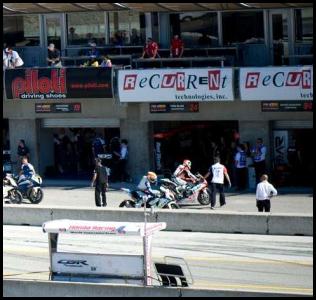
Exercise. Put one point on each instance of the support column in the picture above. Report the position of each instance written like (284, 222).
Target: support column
(137, 134)
(27, 131)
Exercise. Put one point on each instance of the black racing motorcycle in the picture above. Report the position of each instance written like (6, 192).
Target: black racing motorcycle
(163, 199)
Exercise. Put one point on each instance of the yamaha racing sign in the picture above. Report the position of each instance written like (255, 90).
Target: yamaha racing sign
(175, 85)
(276, 83)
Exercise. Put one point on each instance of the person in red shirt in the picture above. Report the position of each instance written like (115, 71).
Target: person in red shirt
(176, 47)
(150, 49)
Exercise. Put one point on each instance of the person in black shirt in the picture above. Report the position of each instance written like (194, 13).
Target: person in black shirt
(100, 176)
(53, 58)
(23, 150)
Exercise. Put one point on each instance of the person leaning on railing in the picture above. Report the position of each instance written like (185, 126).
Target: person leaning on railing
(92, 62)
(11, 59)
(150, 49)
(176, 47)
(53, 56)
(106, 63)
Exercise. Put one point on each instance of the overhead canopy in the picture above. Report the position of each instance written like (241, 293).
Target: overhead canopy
(29, 8)
(97, 227)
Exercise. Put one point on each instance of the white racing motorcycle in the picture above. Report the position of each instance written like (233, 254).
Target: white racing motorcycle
(10, 190)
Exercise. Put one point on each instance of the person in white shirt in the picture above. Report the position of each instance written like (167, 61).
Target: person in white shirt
(11, 59)
(264, 192)
(218, 172)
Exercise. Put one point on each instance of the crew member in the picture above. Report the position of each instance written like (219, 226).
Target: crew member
(264, 192)
(259, 158)
(100, 176)
(241, 167)
(218, 171)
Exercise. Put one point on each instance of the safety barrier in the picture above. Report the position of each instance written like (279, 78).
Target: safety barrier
(29, 288)
(177, 220)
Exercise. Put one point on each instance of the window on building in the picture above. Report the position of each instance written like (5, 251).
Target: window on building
(127, 28)
(86, 27)
(20, 31)
(240, 27)
(196, 29)
(304, 25)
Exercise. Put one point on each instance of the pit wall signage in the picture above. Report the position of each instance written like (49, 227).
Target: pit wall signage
(281, 83)
(176, 85)
(58, 83)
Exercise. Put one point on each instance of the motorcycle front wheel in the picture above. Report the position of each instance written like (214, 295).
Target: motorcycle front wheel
(172, 206)
(36, 197)
(204, 197)
(15, 197)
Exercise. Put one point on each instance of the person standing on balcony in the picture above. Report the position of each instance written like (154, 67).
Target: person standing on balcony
(53, 57)
(93, 52)
(176, 47)
(150, 49)
(11, 59)
(72, 36)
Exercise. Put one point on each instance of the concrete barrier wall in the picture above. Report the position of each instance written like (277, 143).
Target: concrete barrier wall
(28, 288)
(177, 220)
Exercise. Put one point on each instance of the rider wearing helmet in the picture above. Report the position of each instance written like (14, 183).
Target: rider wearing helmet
(145, 184)
(183, 175)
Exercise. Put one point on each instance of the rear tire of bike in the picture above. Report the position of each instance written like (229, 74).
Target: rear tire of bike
(204, 198)
(37, 198)
(127, 204)
(16, 197)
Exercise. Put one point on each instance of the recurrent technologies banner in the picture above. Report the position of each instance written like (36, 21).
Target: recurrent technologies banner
(176, 85)
(58, 83)
(276, 83)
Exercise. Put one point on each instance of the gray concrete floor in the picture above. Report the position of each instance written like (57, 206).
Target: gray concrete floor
(80, 195)
(217, 261)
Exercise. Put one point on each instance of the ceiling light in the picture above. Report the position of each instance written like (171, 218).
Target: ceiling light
(120, 5)
(245, 4)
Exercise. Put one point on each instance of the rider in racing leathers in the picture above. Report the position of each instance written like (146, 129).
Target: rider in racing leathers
(183, 175)
(27, 170)
(145, 184)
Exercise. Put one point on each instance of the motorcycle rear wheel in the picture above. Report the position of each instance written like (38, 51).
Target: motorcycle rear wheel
(15, 197)
(127, 204)
(204, 198)
(37, 197)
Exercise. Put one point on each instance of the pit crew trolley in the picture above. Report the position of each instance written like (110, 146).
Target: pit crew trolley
(114, 268)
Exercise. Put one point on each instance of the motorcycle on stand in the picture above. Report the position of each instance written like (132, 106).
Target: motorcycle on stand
(30, 188)
(194, 192)
(163, 199)
(10, 190)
